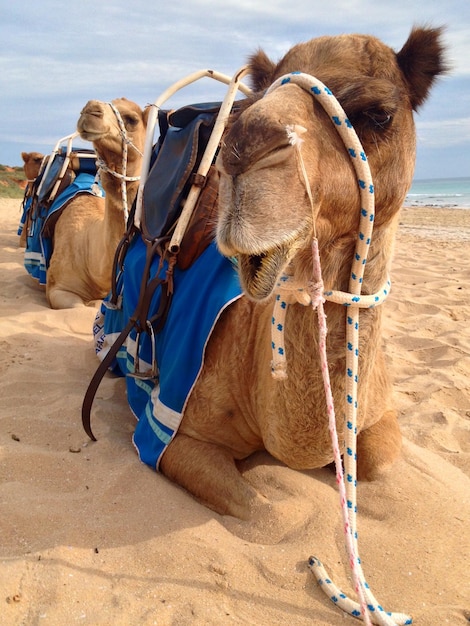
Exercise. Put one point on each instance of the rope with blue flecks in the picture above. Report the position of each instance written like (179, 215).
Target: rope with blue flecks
(368, 608)
(102, 167)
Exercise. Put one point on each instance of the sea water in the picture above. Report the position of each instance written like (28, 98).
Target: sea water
(445, 192)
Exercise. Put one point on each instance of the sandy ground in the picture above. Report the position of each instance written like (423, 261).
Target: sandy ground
(91, 536)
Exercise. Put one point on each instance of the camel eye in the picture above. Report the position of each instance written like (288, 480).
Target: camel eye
(130, 121)
(381, 119)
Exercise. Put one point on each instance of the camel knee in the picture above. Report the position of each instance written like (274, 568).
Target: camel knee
(61, 299)
(378, 447)
(210, 474)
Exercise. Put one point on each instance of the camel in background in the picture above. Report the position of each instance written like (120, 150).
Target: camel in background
(31, 165)
(90, 227)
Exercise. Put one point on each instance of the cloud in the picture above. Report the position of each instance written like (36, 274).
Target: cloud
(451, 132)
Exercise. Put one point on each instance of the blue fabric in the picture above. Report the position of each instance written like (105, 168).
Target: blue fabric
(39, 248)
(200, 294)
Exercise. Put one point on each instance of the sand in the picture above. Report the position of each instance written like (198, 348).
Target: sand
(91, 536)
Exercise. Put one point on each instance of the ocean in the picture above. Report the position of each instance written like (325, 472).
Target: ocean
(445, 192)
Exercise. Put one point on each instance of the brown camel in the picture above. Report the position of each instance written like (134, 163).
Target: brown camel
(31, 165)
(90, 227)
(265, 221)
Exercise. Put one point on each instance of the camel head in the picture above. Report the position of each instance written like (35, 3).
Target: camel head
(266, 219)
(32, 164)
(99, 123)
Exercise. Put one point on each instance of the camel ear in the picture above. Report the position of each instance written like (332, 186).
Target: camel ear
(261, 70)
(422, 60)
(25, 156)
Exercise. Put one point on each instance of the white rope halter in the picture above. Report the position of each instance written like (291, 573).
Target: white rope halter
(313, 294)
(102, 167)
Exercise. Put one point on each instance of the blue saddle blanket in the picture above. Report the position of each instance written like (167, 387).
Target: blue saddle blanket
(201, 293)
(39, 246)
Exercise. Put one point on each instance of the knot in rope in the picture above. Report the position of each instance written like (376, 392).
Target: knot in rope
(315, 291)
(104, 168)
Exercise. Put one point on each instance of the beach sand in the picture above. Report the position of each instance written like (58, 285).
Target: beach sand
(89, 535)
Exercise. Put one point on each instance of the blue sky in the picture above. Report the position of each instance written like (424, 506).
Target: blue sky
(56, 56)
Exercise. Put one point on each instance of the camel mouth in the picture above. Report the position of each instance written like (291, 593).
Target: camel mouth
(87, 136)
(88, 133)
(259, 273)
(91, 125)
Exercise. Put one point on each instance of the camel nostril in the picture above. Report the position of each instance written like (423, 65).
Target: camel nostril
(94, 112)
(92, 107)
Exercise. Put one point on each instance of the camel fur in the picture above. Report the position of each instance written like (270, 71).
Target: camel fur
(90, 227)
(265, 221)
(31, 164)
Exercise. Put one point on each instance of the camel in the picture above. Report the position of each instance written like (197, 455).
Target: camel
(270, 212)
(31, 165)
(265, 221)
(90, 227)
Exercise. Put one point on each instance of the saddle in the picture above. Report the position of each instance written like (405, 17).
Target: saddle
(183, 138)
(62, 171)
(175, 159)
(58, 172)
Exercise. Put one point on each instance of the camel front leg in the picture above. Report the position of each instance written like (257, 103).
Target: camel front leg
(62, 299)
(210, 474)
(378, 446)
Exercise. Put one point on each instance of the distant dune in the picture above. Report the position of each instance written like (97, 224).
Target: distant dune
(12, 181)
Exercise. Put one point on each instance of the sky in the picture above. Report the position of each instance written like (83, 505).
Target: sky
(55, 56)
